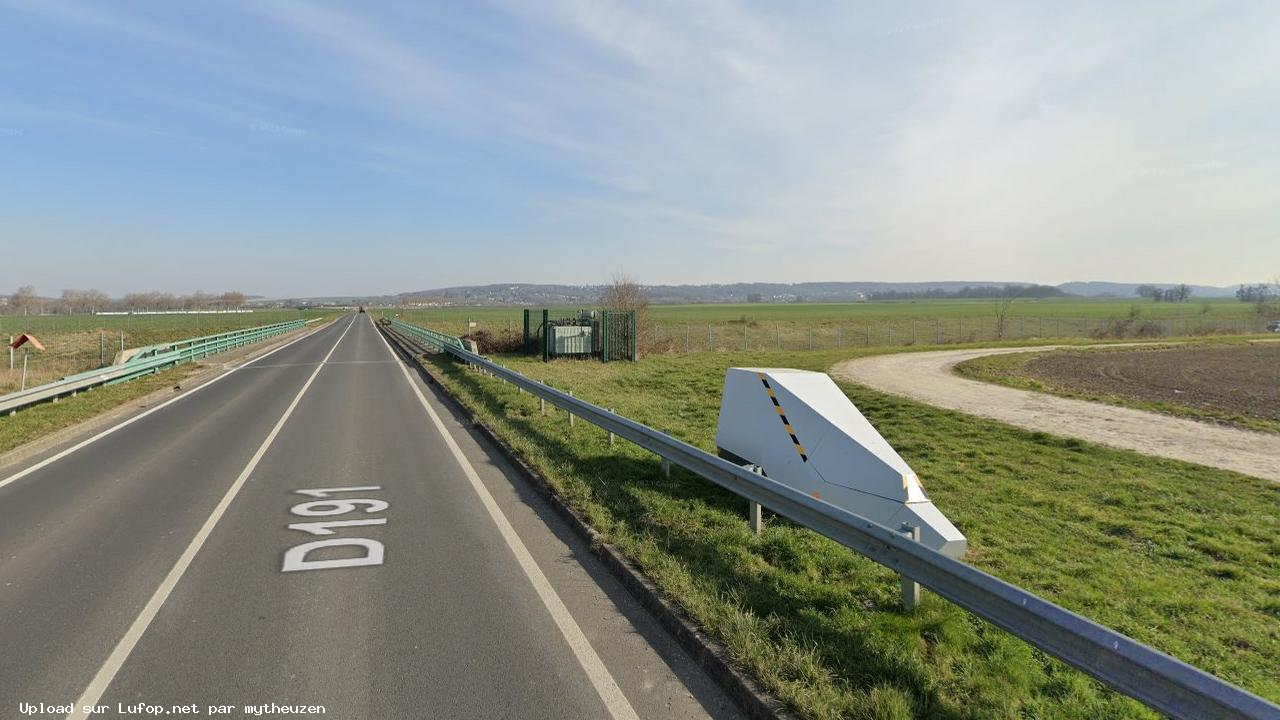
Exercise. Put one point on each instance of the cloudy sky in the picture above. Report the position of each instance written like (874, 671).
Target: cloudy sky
(301, 147)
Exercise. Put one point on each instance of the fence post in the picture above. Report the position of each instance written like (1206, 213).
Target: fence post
(10, 352)
(910, 588)
(810, 336)
(937, 329)
(121, 341)
(777, 333)
(744, 337)
(666, 464)
(24, 371)
(686, 339)
(711, 343)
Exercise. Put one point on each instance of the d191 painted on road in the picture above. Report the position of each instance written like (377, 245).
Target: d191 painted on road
(296, 557)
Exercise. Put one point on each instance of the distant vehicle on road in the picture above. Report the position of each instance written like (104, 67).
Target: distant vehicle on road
(361, 308)
(1273, 326)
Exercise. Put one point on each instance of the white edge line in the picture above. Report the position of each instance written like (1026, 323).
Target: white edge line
(102, 679)
(54, 458)
(605, 685)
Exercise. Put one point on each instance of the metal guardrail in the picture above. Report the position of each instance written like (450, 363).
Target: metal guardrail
(1156, 679)
(145, 361)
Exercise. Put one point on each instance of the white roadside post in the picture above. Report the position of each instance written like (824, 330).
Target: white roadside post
(910, 588)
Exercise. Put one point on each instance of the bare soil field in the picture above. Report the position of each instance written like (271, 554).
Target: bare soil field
(1236, 384)
(1228, 379)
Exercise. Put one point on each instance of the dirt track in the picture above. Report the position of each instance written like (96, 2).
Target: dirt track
(928, 377)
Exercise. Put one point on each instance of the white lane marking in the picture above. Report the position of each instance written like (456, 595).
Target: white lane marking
(606, 687)
(54, 458)
(116, 659)
(335, 362)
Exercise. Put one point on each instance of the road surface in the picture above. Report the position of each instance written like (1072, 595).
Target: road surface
(207, 554)
(929, 377)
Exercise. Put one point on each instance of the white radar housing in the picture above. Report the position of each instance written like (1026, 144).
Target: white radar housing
(803, 432)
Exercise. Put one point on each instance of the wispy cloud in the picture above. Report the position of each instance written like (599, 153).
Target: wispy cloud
(1022, 140)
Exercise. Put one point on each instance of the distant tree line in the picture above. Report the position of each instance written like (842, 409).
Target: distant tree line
(1265, 297)
(1175, 294)
(26, 301)
(981, 292)
(1260, 293)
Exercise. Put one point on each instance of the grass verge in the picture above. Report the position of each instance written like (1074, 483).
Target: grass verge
(40, 420)
(1182, 557)
(1011, 370)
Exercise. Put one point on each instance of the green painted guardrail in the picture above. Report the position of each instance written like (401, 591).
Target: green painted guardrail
(438, 340)
(145, 361)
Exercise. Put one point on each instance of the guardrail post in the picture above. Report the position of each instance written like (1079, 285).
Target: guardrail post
(610, 433)
(910, 588)
(666, 464)
(570, 414)
(755, 516)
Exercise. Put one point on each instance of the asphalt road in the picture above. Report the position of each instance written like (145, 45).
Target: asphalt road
(206, 554)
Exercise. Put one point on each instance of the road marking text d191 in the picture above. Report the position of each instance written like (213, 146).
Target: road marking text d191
(295, 558)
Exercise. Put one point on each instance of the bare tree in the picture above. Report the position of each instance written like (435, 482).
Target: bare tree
(1002, 305)
(72, 301)
(95, 300)
(232, 299)
(624, 293)
(25, 301)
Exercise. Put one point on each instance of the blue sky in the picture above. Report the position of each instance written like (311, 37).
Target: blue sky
(289, 147)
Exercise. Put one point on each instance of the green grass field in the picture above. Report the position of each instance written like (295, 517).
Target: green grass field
(151, 325)
(800, 326)
(1182, 557)
(863, 311)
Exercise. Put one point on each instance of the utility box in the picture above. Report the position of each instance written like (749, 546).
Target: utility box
(803, 432)
(571, 339)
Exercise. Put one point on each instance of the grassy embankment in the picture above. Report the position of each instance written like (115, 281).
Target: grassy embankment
(40, 420)
(1179, 556)
(1011, 371)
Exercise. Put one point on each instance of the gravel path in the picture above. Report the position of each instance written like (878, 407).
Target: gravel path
(928, 377)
